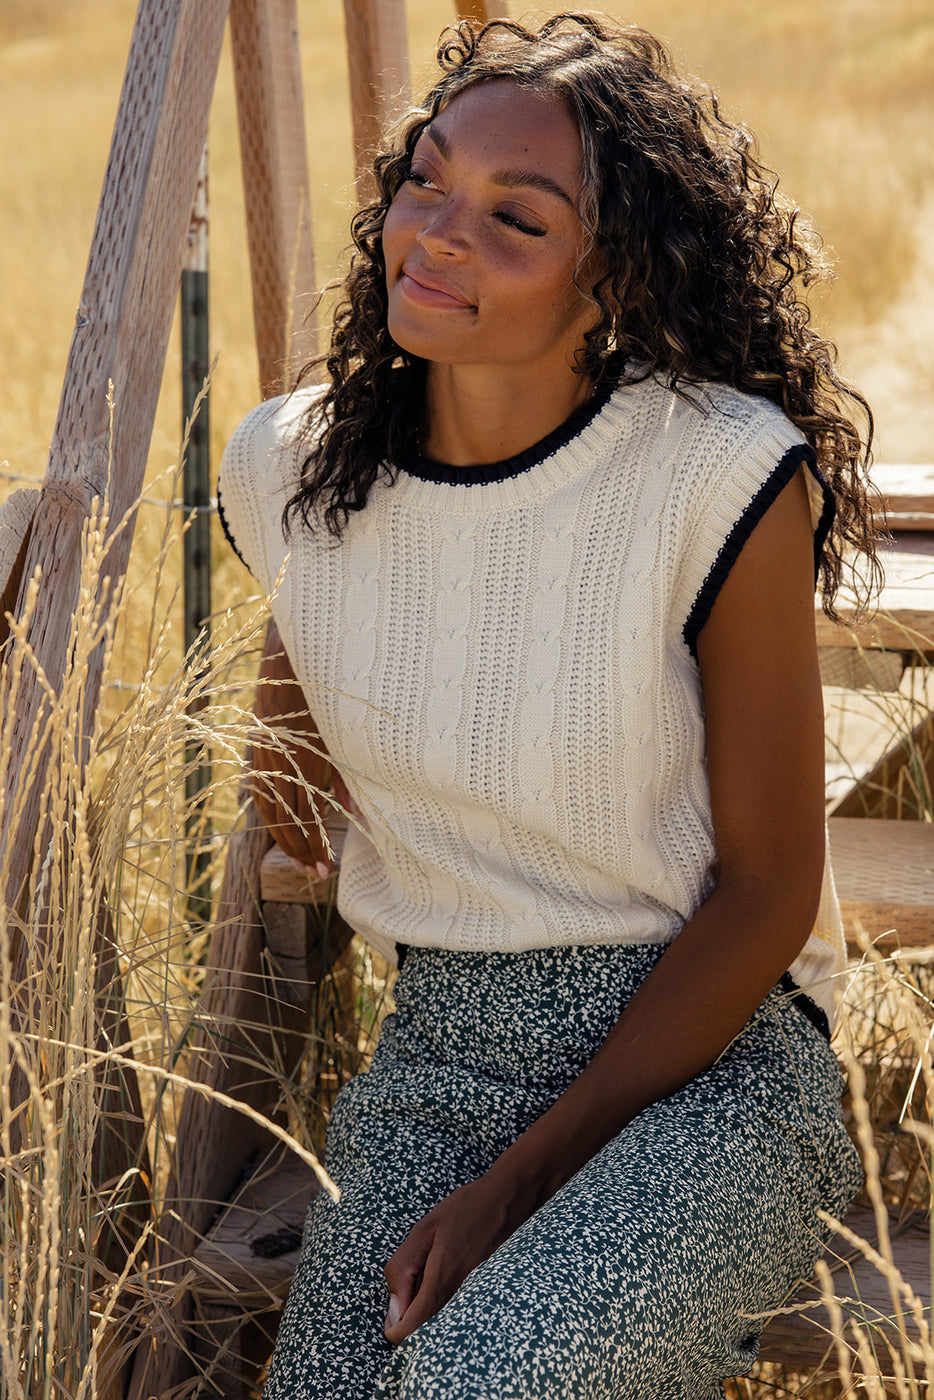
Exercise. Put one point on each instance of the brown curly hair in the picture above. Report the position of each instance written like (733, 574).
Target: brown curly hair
(705, 268)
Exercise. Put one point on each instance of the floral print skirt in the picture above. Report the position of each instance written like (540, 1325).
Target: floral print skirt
(643, 1278)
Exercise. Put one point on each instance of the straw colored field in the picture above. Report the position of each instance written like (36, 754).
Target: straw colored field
(841, 93)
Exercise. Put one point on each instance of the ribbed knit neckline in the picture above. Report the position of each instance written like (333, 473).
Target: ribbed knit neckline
(487, 473)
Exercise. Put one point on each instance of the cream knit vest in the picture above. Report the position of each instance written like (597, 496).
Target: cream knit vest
(504, 671)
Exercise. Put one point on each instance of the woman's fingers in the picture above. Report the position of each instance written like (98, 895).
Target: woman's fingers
(443, 1248)
(404, 1273)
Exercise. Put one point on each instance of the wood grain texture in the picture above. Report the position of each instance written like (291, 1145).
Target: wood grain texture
(283, 882)
(900, 785)
(908, 493)
(270, 109)
(272, 1201)
(378, 59)
(801, 1340)
(120, 337)
(861, 670)
(904, 620)
(884, 872)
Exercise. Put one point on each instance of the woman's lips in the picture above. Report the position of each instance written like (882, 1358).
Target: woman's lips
(426, 290)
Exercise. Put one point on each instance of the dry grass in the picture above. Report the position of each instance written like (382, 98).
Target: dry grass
(840, 91)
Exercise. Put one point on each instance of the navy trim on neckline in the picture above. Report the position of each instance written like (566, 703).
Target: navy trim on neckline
(768, 492)
(486, 473)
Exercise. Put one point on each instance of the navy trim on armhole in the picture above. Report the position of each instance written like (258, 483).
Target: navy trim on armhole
(730, 550)
(806, 1005)
(227, 530)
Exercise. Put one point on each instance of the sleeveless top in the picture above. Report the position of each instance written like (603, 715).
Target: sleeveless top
(502, 663)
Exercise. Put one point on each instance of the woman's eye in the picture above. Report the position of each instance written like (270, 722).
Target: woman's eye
(419, 178)
(513, 221)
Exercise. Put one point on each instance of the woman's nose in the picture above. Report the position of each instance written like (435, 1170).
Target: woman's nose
(444, 231)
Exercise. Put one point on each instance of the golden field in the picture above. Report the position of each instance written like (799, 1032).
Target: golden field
(841, 93)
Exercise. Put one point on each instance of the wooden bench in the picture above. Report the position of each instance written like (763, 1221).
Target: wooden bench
(246, 1265)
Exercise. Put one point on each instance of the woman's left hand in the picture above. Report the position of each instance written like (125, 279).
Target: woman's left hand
(441, 1250)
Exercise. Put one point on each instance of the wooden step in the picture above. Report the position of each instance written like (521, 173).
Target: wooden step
(884, 872)
(252, 1249)
(283, 881)
(801, 1340)
(908, 492)
(904, 618)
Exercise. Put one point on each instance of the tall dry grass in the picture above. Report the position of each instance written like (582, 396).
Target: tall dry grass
(112, 975)
(95, 1040)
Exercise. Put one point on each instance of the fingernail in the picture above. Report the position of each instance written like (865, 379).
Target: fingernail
(322, 870)
(394, 1315)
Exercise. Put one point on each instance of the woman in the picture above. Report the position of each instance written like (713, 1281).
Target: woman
(545, 549)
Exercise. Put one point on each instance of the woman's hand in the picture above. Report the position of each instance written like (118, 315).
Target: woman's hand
(290, 778)
(441, 1250)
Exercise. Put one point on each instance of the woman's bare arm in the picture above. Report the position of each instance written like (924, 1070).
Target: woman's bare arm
(764, 718)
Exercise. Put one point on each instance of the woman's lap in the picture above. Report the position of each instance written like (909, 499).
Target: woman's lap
(632, 1281)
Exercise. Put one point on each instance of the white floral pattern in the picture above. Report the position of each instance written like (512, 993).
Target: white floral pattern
(635, 1281)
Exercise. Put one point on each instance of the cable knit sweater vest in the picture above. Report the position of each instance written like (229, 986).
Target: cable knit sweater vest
(501, 662)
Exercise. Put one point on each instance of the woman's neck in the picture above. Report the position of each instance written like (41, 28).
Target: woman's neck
(474, 419)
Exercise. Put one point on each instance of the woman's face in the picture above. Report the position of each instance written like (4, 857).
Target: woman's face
(482, 240)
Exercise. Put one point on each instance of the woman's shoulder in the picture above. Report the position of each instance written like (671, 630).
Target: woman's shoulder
(710, 408)
(704, 437)
(260, 470)
(272, 432)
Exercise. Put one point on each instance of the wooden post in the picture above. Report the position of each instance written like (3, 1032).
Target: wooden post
(120, 338)
(196, 544)
(479, 10)
(267, 71)
(240, 1026)
(377, 53)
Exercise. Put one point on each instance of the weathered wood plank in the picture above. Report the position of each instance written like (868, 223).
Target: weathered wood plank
(270, 108)
(908, 492)
(900, 785)
(254, 1246)
(231, 1042)
(884, 872)
(120, 337)
(801, 1340)
(378, 57)
(904, 620)
(282, 882)
(16, 514)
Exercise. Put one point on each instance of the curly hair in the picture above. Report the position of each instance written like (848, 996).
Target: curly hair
(704, 270)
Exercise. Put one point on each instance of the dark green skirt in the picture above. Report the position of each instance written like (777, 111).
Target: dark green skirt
(641, 1278)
